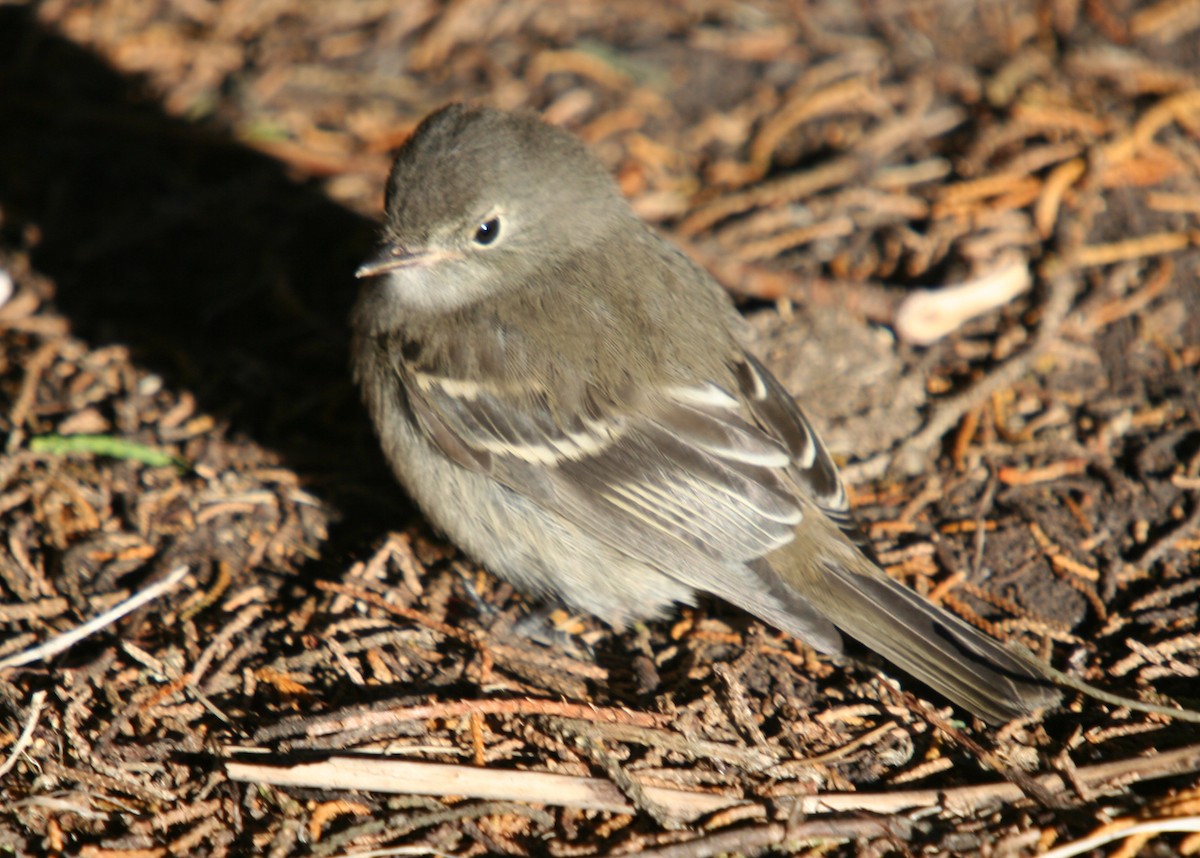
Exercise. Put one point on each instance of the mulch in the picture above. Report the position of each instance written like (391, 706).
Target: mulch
(185, 190)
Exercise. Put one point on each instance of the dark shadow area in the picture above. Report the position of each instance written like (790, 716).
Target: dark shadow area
(220, 272)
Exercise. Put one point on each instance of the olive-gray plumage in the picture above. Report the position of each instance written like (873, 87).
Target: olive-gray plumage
(567, 397)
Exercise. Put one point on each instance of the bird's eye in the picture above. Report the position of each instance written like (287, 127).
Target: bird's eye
(487, 232)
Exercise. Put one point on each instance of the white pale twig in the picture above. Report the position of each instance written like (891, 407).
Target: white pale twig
(410, 778)
(927, 315)
(404, 777)
(35, 713)
(66, 640)
(1170, 825)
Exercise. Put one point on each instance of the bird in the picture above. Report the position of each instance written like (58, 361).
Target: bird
(571, 400)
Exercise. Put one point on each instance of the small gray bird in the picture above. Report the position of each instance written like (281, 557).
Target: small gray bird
(565, 395)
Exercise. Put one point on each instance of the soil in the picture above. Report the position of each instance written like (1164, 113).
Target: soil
(185, 191)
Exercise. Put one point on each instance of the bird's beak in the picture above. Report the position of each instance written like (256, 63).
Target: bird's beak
(389, 259)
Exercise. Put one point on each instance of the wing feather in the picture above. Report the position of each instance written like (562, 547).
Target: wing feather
(811, 465)
(694, 464)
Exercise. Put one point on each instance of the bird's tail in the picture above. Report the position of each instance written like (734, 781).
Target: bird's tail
(992, 680)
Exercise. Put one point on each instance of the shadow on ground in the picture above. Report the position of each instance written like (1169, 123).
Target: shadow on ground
(220, 272)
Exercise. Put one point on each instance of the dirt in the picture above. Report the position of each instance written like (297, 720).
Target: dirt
(185, 191)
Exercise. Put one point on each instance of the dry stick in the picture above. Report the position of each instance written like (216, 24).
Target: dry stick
(759, 838)
(458, 708)
(37, 364)
(751, 759)
(26, 737)
(406, 777)
(68, 639)
(623, 780)
(927, 315)
(1153, 826)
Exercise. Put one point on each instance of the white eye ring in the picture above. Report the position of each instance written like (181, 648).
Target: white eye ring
(487, 232)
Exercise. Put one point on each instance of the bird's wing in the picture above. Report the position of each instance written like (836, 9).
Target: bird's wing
(721, 471)
(812, 468)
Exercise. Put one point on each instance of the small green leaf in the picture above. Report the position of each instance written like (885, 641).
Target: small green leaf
(104, 445)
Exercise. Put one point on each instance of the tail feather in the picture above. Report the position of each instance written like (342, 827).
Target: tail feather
(992, 680)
